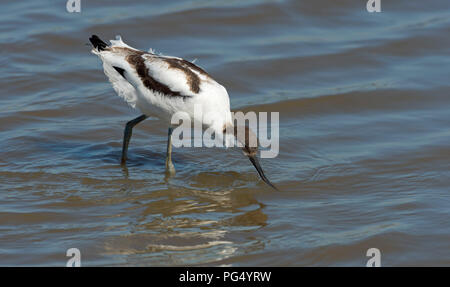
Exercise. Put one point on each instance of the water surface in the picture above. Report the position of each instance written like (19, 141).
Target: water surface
(364, 136)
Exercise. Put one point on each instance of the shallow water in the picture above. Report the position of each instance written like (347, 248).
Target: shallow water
(364, 136)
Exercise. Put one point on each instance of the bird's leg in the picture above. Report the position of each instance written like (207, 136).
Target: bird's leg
(127, 135)
(170, 169)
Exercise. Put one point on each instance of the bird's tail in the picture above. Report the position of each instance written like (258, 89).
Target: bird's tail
(116, 67)
(98, 43)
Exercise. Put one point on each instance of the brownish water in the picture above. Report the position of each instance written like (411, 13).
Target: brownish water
(364, 136)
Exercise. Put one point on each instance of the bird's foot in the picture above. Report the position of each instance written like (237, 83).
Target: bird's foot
(170, 168)
(123, 160)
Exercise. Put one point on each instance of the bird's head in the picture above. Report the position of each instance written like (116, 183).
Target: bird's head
(249, 144)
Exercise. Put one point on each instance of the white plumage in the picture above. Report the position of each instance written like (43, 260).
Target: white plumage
(174, 73)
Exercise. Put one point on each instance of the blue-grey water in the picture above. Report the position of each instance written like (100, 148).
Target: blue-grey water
(364, 103)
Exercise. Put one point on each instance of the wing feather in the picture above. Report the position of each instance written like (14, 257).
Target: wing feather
(129, 70)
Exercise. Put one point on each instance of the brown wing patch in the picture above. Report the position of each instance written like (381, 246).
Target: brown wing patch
(127, 51)
(192, 78)
(138, 62)
(136, 59)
